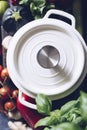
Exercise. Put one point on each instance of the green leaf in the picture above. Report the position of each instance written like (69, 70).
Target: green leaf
(69, 105)
(56, 114)
(50, 6)
(44, 122)
(47, 121)
(39, 3)
(86, 128)
(53, 119)
(66, 126)
(37, 11)
(25, 2)
(44, 104)
(46, 128)
(83, 104)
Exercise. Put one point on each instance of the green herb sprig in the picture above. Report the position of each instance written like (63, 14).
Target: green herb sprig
(38, 8)
(71, 116)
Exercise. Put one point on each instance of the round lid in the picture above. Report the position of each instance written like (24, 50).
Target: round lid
(46, 56)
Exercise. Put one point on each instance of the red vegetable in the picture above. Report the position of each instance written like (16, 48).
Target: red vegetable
(14, 2)
(9, 106)
(5, 93)
(15, 93)
(4, 73)
(1, 68)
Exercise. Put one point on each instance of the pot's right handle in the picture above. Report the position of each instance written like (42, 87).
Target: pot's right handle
(61, 13)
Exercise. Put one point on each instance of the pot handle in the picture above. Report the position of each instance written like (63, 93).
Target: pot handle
(25, 103)
(61, 13)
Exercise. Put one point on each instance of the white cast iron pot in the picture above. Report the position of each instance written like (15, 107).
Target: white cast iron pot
(47, 56)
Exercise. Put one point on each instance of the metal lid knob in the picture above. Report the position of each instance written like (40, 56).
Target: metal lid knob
(48, 57)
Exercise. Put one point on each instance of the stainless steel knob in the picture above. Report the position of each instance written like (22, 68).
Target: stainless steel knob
(48, 57)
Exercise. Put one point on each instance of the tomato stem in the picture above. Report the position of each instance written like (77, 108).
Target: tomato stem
(1, 83)
(4, 82)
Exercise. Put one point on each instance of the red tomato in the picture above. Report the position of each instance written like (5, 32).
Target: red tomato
(4, 73)
(9, 106)
(15, 93)
(5, 92)
(1, 68)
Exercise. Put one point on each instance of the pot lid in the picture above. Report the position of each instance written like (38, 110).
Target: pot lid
(46, 56)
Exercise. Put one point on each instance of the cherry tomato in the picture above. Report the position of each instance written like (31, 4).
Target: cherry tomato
(4, 73)
(9, 106)
(15, 93)
(1, 68)
(5, 93)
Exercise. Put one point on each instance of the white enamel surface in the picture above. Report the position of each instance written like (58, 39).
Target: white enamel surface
(61, 13)
(29, 76)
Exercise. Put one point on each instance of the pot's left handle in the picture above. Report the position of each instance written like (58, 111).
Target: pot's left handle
(61, 13)
(25, 103)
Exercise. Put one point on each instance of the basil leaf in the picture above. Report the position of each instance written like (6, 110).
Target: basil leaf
(56, 114)
(46, 128)
(65, 126)
(43, 122)
(25, 2)
(39, 3)
(86, 128)
(53, 119)
(36, 11)
(83, 104)
(69, 105)
(47, 121)
(43, 104)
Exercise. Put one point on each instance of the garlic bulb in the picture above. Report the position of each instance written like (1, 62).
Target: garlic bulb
(18, 125)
